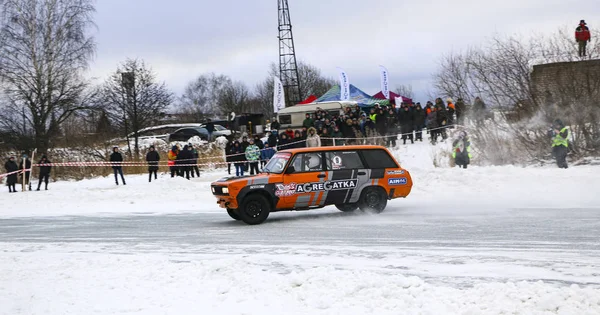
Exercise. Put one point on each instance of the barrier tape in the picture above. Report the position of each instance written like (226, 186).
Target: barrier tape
(15, 172)
(159, 164)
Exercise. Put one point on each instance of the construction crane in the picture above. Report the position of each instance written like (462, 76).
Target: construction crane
(288, 67)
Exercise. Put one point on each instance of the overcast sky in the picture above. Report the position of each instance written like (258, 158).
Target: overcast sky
(181, 39)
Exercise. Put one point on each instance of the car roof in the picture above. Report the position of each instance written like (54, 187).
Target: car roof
(186, 128)
(335, 148)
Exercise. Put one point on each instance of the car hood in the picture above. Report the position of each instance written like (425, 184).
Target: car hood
(249, 179)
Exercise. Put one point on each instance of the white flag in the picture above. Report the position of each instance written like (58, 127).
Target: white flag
(398, 101)
(385, 87)
(344, 85)
(278, 95)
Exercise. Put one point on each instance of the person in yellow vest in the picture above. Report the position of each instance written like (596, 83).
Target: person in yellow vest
(461, 150)
(373, 115)
(560, 142)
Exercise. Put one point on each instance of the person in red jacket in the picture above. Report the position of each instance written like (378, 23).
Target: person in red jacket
(582, 36)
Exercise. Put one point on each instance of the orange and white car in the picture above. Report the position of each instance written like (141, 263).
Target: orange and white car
(348, 177)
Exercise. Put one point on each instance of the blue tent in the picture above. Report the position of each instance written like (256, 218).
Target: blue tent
(363, 99)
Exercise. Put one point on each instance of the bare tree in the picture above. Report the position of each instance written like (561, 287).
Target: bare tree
(201, 96)
(134, 99)
(44, 46)
(234, 97)
(312, 80)
(263, 95)
(405, 90)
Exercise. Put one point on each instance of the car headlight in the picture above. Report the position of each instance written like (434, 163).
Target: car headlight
(213, 189)
(225, 190)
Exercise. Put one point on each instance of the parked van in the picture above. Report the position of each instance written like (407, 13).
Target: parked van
(293, 116)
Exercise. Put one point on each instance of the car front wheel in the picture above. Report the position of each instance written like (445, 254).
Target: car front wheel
(255, 209)
(373, 199)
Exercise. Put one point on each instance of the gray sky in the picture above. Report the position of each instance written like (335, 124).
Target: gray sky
(181, 39)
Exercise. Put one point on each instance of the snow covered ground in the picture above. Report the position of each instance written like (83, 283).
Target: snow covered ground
(486, 240)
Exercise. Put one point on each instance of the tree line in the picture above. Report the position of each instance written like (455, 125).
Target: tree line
(45, 100)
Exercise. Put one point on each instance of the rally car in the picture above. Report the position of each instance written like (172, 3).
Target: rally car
(349, 177)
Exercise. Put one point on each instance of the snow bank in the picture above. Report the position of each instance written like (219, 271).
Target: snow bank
(113, 281)
(485, 188)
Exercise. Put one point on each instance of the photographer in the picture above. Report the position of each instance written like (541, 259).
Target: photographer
(560, 135)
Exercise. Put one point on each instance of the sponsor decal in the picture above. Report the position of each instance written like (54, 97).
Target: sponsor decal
(326, 186)
(257, 186)
(336, 162)
(282, 190)
(397, 181)
(397, 172)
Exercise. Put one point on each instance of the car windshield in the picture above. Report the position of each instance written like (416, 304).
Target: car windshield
(277, 163)
(219, 127)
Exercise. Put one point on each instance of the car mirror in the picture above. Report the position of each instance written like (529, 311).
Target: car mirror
(290, 170)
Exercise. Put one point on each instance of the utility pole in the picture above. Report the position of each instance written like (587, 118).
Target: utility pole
(288, 67)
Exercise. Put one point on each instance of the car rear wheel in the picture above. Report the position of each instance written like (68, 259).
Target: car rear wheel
(347, 207)
(255, 209)
(372, 199)
(233, 214)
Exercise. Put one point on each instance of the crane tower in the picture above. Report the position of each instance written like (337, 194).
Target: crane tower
(288, 67)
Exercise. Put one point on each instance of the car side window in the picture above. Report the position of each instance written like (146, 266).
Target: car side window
(308, 162)
(378, 158)
(343, 160)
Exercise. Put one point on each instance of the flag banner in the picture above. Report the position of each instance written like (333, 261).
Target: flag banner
(385, 87)
(398, 101)
(278, 95)
(344, 85)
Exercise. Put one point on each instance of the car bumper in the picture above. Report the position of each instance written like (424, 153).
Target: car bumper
(227, 202)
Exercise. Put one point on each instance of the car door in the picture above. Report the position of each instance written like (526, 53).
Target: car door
(347, 174)
(306, 186)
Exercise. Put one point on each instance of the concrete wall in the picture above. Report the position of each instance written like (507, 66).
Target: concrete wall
(566, 80)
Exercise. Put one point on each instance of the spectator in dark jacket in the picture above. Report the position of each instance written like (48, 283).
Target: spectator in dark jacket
(442, 117)
(152, 157)
(11, 180)
(419, 122)
(275, 125)
(115, 158)
(272, 139)
(244, 143)
(337, 136)
(308, 122)
(210, 128)
(299, 140)
(326, 140)
(258, 142)
(184, 158)
(228, 156)
(284, 142)
(266, 154)
(432, 126)
(405, 120)
(194, 168)
(44, 172)
(392, 128)
(239, 158)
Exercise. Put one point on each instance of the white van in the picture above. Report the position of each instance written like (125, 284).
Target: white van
(293, 116)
